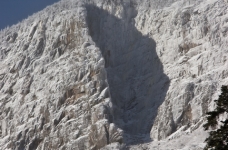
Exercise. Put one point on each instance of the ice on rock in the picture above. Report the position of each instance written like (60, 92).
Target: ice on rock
(113, 74)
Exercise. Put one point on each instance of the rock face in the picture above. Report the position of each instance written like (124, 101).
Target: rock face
(54, 89)
(97, 74)
(192, 47)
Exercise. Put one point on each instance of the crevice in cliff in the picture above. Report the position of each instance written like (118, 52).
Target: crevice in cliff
(135, 74)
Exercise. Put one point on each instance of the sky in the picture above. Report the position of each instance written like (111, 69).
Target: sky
(13, 11)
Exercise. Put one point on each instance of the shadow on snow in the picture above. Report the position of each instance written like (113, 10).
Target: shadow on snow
(135, 74)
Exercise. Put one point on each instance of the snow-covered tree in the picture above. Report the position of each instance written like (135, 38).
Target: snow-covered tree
(218, 138)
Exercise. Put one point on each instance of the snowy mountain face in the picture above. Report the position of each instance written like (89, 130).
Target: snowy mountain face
(117, 74)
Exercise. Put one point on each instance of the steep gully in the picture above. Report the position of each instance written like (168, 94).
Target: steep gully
(135, 74)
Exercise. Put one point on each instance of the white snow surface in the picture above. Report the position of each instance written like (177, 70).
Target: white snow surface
(118, 74)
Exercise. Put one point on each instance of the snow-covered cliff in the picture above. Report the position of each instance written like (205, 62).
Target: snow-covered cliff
(112, 74)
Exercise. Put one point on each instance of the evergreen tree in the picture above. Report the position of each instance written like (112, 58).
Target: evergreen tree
(218, 139)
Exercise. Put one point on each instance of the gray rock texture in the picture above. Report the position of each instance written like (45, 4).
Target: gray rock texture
(111, 74)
